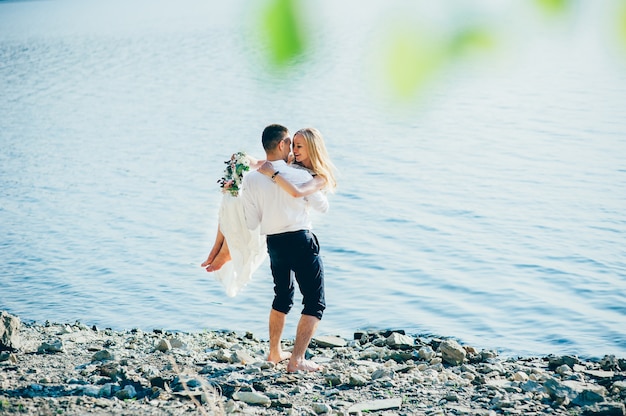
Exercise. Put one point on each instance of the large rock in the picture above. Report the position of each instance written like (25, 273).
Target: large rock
(9, 332)
(605, 409)
(329, 341)
(400, 341)
(452, 352)
(578, 393)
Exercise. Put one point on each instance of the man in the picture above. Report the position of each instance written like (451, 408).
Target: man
(291, 246)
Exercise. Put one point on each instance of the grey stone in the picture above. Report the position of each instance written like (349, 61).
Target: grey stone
(531, 386)
(487, 368)
(332, 379)
(242, 357)
(9, 332)
(452, 352)
(580, 394)
(176, 343)
(563, 370)
(65, 329)
(102, 355)
(620, 385)
(600, 374)
(568, 360)
(163, 345)
(128, 392)
(8, 356)
(51, 346)
(375, 405)
(381, 373)
(108, 390)
(329, 341)
(252, 397)
(321, 408)
(426, 353)
(396, 340)
(91, 390)
(605, 409)
(111, 370)
(357, 380)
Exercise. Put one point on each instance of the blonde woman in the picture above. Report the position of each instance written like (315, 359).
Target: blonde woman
(309, 152)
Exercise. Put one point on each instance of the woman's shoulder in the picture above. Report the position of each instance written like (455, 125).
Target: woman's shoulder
(299, 166)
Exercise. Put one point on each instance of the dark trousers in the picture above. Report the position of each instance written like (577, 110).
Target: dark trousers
(297, 251)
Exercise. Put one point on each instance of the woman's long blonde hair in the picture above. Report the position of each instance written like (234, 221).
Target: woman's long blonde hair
(320, 161)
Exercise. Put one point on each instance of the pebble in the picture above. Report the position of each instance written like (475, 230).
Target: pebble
(77, 369)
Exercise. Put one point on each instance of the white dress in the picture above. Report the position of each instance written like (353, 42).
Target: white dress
(247, 247)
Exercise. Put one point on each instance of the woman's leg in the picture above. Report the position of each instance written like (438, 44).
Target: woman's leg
(219, 255)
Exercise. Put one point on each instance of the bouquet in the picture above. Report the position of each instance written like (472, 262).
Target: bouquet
(233, 174)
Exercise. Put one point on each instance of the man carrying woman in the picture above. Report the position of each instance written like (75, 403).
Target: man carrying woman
(276, 199)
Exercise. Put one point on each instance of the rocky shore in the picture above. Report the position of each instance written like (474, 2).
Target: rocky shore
(74, 369)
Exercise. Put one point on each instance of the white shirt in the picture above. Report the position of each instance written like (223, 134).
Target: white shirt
(268, 205)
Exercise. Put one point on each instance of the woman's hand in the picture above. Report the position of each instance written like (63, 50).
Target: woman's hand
(254, 162)
(267, 169)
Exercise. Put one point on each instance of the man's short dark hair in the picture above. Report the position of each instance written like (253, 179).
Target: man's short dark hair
(272, 135)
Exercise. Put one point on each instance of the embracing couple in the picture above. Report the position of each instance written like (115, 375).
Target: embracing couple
(271, 214)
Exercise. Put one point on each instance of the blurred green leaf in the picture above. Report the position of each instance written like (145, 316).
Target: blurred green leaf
(471, 40)
(282, 31)
(412, 61)
(622, 23)
(553, 7)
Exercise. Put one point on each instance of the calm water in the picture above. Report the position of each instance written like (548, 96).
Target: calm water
(493, 211)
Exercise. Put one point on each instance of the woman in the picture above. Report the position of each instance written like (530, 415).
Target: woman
(237, 251)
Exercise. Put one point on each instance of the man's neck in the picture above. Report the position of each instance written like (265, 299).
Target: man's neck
(273, 157)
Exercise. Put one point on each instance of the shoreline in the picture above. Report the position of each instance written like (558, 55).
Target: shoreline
(71, 369)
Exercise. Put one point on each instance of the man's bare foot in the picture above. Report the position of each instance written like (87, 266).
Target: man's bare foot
(302, 365)
(222, 258)
(284, 355)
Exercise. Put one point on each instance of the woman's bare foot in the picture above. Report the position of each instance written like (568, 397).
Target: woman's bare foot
(222, 258)
(209, 259)
(284, 355)
(217, 247)
(302, 365)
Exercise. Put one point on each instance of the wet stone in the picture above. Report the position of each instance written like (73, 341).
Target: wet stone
(225, 372)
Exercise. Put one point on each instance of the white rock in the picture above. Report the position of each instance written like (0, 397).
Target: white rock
(163, 345)
(375, 405)
(176, 343)
(242, 356)
(452, 352)
(426, 353)
(320, 408)
(563, 369)
(327, 341)
(252, 397)
(620, 385)
(65, 329)
(520, 376)
(90, 390)
(52, 346)
(396, 340)
(468, 376)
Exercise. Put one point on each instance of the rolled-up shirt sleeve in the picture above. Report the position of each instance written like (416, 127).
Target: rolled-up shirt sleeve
(318, 202)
